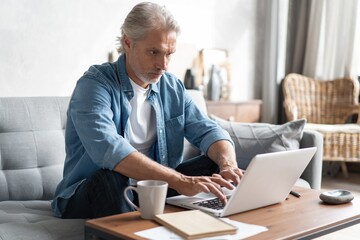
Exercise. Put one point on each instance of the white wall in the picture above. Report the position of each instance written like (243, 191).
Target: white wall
(46, 45)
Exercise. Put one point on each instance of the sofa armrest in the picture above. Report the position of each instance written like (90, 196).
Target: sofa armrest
(313, 171)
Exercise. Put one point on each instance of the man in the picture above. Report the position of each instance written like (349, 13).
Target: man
(127, 121)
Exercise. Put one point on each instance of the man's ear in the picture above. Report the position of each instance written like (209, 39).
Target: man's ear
(127, 42)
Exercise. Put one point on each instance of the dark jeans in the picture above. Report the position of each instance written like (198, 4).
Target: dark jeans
(102, 194)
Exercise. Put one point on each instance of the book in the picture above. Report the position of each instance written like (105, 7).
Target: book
(194, 224)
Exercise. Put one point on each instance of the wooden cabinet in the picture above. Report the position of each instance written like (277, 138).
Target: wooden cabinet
(246, 111)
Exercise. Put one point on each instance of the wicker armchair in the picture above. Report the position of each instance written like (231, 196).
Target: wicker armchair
(328, 106)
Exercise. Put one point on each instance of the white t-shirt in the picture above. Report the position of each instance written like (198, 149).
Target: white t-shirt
(142, 121)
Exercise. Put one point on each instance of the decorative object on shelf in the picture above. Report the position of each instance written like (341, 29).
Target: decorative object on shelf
(213, 63)
(189, 79)
(214, 84)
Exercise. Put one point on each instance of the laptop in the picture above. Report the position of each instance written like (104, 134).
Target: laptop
(268, 180)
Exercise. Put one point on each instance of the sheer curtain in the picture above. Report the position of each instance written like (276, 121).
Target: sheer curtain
(321, 39)
(331, 50)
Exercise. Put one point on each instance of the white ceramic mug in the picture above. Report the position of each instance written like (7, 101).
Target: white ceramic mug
(152, 196)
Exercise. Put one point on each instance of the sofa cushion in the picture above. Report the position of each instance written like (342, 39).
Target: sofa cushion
(251, 139)
(32, 148)
(34, 220)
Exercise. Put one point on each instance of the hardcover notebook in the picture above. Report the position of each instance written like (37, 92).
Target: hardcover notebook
(268, 180)
(194, 224)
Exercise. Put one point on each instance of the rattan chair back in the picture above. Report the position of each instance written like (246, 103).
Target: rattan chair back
(319, 101)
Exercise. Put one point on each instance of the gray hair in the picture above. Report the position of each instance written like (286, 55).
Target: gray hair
(143, 18)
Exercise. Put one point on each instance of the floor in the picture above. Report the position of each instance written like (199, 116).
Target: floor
(352, 184)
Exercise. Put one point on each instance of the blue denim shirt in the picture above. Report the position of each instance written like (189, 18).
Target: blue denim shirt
(96, 135)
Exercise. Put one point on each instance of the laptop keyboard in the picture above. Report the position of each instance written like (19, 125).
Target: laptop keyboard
(213, 203)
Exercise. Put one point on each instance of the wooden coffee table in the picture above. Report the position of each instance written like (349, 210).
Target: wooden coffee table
(295, 218)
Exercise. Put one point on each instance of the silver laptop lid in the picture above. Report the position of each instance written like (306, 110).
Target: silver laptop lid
(268, 180)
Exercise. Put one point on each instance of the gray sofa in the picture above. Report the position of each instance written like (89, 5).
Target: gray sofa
(31, 163)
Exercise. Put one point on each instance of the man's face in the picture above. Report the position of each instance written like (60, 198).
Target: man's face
(148, 59)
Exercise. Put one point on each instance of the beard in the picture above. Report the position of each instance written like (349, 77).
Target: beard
(149, 77)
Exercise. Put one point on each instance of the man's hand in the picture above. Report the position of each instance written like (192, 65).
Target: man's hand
(223, 153)
(231, 173)
(192, 185)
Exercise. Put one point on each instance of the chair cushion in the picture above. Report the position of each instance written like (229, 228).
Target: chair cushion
(341, 142)
(343, 128)
(255, 138)
(33, 220)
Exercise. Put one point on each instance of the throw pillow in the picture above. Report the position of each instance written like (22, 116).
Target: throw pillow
(251, 139)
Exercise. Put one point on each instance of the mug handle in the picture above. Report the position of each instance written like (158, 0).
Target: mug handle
(127, 198)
